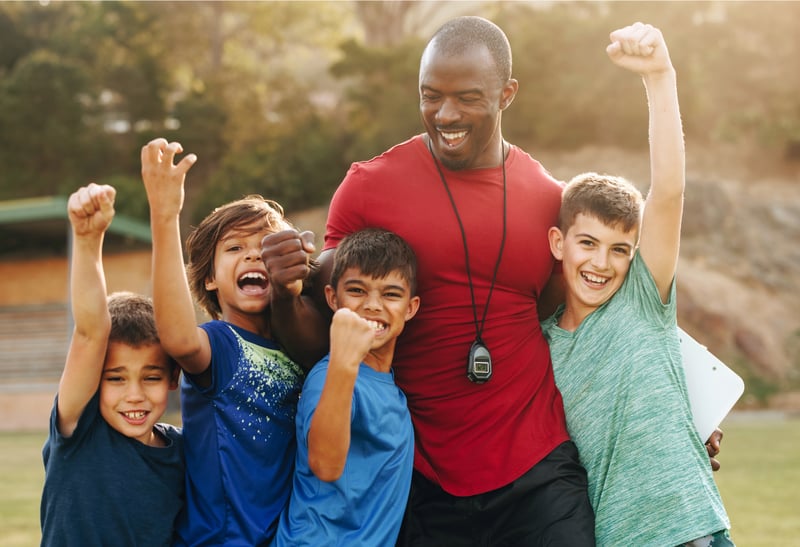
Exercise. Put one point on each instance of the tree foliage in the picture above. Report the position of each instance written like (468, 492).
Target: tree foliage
(278, 98)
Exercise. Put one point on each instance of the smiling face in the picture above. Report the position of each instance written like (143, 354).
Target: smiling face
(595, 260)
(386, 303)
(461, 99)
(134, 388)
(239, 276)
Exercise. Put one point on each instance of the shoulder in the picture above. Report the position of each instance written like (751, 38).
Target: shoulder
(402, 155)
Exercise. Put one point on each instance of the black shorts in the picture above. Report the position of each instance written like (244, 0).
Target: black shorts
(547, 506)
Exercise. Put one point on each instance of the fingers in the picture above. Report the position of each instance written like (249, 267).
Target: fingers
(713, 446)
(307, 238)
(286, 256)
(91, 208)
(351, 333)
(639, 48)
(159, 152)
(92, 198)
(637, 39)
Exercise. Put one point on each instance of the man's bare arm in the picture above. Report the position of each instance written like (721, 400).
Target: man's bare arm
(299, 320)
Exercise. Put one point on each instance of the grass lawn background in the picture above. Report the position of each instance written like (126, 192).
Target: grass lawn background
(759, 481)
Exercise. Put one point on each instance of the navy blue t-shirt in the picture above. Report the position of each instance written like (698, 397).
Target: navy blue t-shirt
(103, 488)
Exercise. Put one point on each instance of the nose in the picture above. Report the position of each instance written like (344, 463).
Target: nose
(600, 260)
(373, 301)
(253, 254)
(448, 112)
(135, 392)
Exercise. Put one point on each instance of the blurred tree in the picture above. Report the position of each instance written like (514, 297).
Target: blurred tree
(41, 114)
(279, 97)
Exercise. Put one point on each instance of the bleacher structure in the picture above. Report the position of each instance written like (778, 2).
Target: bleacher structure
(33, 344)
(35, 320)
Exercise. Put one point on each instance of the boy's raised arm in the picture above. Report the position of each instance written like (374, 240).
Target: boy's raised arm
(172, 300)
(641, 48)
(90, 210)
(329, 433)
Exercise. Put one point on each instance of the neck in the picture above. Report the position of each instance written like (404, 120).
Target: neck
(379, 359)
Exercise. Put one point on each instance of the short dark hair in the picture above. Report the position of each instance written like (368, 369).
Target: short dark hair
(377, 253)
(614, 201)
(250, 211)
(465, 33)
(133, 320)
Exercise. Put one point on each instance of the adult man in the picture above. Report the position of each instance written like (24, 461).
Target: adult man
(493, 462)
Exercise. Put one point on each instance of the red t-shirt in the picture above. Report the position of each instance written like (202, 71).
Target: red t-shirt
(470, 438)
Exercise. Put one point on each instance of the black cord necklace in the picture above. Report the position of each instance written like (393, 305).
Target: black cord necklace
(479, 361)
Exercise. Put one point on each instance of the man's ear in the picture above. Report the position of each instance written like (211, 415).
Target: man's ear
(509, 92)
(330, 297)
(556, 239)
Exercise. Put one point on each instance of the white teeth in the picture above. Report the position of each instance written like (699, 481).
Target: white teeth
(454, 135)
(254, 275)
(135, 415)
(593, 278)
(374, 325)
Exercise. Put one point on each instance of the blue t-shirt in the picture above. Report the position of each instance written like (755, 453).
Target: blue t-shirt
(365, 506)
(102, 488)
(240, 440)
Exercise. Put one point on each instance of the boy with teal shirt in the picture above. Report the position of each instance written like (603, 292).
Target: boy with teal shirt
(355, 439)
(614, 344)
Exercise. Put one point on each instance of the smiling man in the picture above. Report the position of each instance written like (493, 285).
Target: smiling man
(493, 460)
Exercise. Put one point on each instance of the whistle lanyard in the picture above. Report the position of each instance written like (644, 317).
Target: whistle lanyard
(478, 325)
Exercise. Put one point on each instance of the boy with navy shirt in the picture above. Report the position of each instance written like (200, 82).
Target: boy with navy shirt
(113, 475)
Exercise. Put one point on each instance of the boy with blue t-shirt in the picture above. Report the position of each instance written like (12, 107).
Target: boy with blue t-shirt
(355, 440)
(614, 344)
(240, 390)
(113, 474)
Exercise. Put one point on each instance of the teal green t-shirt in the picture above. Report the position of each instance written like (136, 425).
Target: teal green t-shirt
(624, 391)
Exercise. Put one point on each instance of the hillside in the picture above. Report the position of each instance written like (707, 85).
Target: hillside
(740, 257)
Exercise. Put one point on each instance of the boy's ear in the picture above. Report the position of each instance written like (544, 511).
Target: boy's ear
(174, 379)
(330, 297)
(556, 239)
(211, 285)
(413, 307)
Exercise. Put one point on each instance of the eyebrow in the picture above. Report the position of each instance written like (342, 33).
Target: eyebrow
(145, 367)
(360, 283)
(471, 91)
(620, 244)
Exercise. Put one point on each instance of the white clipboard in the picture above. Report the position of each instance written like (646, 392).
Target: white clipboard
(713, 387)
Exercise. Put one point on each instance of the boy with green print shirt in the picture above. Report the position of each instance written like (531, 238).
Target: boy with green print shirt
(614, 344)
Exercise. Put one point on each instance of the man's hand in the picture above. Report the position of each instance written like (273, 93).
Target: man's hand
(286, 255)
(713, 448)
(91, 209)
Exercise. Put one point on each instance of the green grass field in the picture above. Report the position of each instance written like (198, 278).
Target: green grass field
(759, 481)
